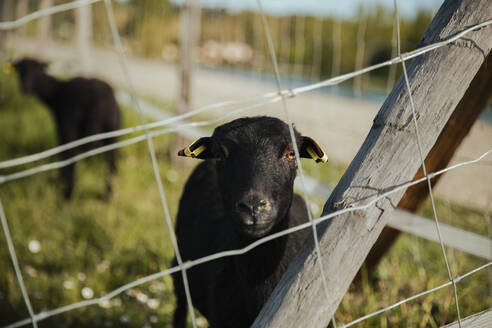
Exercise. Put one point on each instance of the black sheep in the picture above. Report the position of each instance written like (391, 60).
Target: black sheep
(81, 107)
(241, 193)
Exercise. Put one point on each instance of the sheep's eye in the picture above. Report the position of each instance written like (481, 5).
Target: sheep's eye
(290, 155)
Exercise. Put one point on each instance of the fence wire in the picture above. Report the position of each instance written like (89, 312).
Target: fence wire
(294, 145)
(422, 159)
(15, 263)
(189, 264)
(260, 100)
(175, 124)
(397, 304)
(45, 12)
(157, 175)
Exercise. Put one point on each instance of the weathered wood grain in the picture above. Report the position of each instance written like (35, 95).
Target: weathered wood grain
(388, 157)
(455, 131)
(479, 320)
(401, 220)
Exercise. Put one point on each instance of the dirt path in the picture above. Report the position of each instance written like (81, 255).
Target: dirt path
(339, 123)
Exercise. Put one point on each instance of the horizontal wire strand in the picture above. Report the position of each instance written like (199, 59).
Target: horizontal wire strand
(273, 56)
(126, 131)
(189, 264)
(58, 164)
(272, 98)
(45, 12)
(267, 97)
(397, 304)
(424, 168)
(151, 149)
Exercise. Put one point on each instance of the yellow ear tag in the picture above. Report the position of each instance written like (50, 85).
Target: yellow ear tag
(8, 68)
(315, 156)
(194, 153)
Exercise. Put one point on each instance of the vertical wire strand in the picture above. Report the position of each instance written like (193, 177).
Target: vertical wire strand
(294, 145)
(392, 69)
(122, 58)
(336, 49)
(285, 29)
(299, 47)
(317, 34)
(189, 264)
(317, 49)
(427, 176)
(258, 48)
(15, 263)
(359, 55)
(424, 169)
(335, 68)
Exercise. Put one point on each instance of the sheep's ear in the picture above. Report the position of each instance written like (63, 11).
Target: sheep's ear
(200, 148)
(311, 149)
(8, 68)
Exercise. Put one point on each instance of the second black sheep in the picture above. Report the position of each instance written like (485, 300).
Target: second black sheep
(81, 107)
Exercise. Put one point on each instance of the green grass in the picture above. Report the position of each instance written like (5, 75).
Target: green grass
(414, 265)
(87, 242)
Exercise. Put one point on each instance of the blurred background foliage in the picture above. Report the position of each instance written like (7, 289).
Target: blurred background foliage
(85, 248)
(150, 29)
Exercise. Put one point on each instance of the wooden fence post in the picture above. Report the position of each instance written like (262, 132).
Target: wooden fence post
(20, 11)
(388, 157)
(6, 11)
(44, 32)
(457, 128)
(83, 35)
(190, 31)
(360, 52)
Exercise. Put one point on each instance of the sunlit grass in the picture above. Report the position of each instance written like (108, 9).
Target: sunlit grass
(85, 242)
(91, 245)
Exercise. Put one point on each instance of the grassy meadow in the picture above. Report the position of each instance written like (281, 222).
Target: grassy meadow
(85, 242)
(70, 251)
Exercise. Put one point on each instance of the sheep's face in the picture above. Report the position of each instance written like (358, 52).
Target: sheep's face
(256, 168)
(29, 71)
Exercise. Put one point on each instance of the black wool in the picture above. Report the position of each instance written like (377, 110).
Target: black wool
(243, 191)
(81, 107)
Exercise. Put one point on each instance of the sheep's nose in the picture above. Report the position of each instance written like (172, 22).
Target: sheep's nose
(251, 206)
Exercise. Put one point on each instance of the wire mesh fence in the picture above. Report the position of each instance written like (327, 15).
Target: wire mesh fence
(148, 131)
